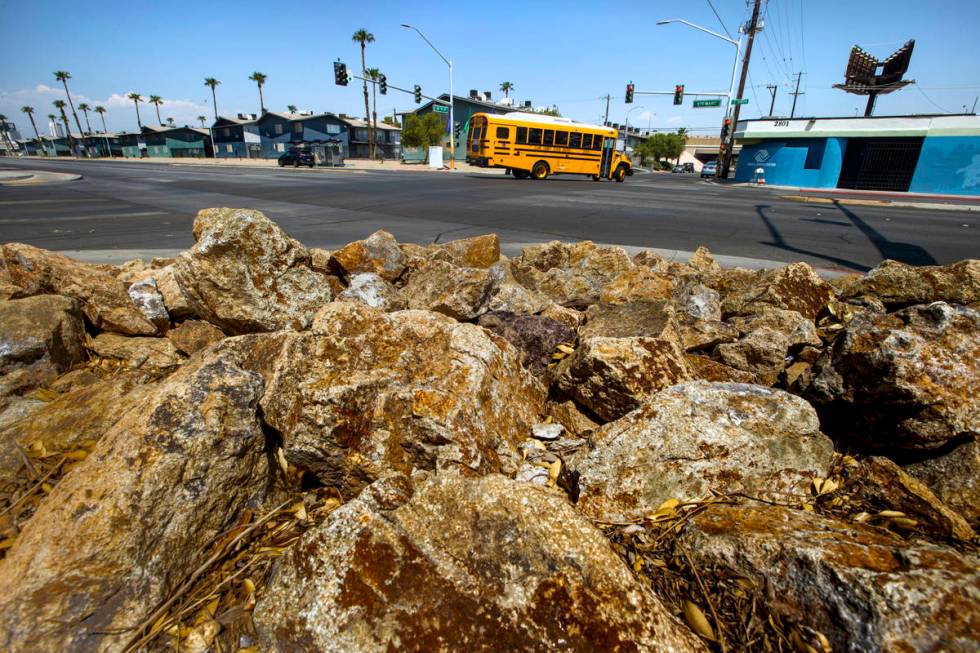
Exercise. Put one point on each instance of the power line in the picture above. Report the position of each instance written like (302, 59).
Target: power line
(930, 100)
(720, 21)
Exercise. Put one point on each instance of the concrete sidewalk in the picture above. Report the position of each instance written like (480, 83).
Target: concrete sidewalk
(33, 177)
(851, 197)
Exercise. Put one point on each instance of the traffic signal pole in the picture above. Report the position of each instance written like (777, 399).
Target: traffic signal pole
(727, 160)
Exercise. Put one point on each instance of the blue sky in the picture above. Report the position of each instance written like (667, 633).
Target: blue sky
(565, 53)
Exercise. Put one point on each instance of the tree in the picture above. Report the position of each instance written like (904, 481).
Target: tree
(259, 79)
(63, 77)
(211, 83)
(661, 146)
(37, 135)
(202, 119)
(291, 108)
(60, 106)
(6, 136)
(390, 120)
(550, 111)
(170, 121)
(364, 37)
(423, 131)
(156, 101)
(84, 108)
(507, 87)
(137, 98)
(101, 111)
(374, 73)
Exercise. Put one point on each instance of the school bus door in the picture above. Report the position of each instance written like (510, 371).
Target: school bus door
(606, 162)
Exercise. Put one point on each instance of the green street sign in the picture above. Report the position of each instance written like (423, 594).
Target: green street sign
(743, 100)
(439, 108)
(700, 104)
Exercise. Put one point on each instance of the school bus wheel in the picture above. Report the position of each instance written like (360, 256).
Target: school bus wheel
(519, 174)
(540, 170)
(596, 177)
(620, 174)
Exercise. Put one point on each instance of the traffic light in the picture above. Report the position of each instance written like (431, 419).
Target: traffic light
(726, 130)
(418, 94)
(383, 84)
(679, 94)
(457, 129)
(629, 93)
(340, 76)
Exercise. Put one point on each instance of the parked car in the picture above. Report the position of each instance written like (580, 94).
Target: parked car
(297, 158)
(709, 169)
(688, 166)
(678, 168)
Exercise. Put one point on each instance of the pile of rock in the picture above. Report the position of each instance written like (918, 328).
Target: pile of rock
(488, 428)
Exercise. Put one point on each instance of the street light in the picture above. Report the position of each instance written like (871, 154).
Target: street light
(452, 115)
(626, 127)
(738, 49)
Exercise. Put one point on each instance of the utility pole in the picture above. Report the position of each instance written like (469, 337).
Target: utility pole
(753, 27)
(772, 91)
(797, 92)
(606, 118)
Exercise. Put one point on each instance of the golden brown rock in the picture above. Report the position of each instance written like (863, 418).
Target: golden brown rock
(898, 284)
(795, 287)
(954, 475)
(102, 297)
(460, 564)
(191, 336)
(118, 533)
(475, 252)
(145, 353)
(637, 283)
(44, 328)
(378, 253)
(460, 293)
(864, 589)
(571, 275)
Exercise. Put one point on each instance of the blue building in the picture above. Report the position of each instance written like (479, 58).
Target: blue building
(920, 154)
(237, 137)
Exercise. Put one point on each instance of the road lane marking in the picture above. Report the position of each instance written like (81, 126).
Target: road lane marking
(76, 218)
(10, 202)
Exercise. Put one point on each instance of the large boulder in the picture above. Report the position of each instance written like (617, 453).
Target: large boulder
(460, 564)
(371, 290)
(905, 380)
(637, 283)
(78, 416)
(118, 533)
(244, 274)
(191, 336)
(863, 588)
(366, 392)
(572, 275)
(795, 287)
(137, 352)
(954, 476)
(695, 438)
(899, 284)
(535, 336)
(699, 302)
(460, 293)
(103, 299)
(476, 252)
(798, 330)
(378, 253)
(612, 376)
(44, 329)
(647, 319)
(147, 298)
(761, 353)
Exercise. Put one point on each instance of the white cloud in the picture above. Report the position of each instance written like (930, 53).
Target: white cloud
(675, 120)
(120, 112)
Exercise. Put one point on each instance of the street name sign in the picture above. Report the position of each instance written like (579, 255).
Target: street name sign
(438, 108)
(743, 100)
(700, 104)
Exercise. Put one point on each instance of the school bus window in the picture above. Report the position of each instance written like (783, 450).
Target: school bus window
(561, 138)
(534, 136)
(503, 132)
(597, 143)
(586, 141)
(575, 140)
(549, 137)
(522, 135)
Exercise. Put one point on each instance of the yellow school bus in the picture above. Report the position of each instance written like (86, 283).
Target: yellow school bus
(534, 145)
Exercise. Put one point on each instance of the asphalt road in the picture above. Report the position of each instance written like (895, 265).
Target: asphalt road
(121, 209)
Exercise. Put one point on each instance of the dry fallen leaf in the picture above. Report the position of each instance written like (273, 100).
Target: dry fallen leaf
(697, 621)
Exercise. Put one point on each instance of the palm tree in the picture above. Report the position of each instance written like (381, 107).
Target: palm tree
(101, 111)
(211, 82)
(202, 119)
(60, 106)
(84, 108)
(37, 135)
(63, 77)
(291, 108)
(137, 98)
(507, 87)
(170, 121)
(259, 79)
(156, 101)
(364, 37)
(374, 73)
